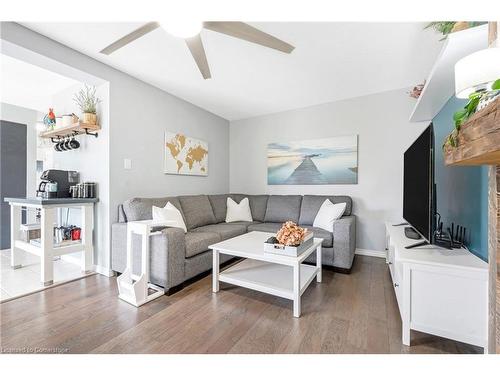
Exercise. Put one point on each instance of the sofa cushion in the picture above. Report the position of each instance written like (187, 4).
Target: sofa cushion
(246, 224)
(142, 208)
(198, 242)
(281, 208)
(197, 211)
(219, 204)
(225, 230)
(265, 227)
(325, 235)
(258, 206)
(312, 203)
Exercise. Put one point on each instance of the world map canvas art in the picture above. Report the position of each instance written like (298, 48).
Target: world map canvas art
(185, 156)
(325, 161)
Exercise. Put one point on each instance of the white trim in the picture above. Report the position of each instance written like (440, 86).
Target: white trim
(104, 271)
(370, 253)
(98, 269)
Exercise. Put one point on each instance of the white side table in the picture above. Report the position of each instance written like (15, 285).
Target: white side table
(134, 289)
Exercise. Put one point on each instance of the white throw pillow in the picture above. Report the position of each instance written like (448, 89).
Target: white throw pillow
(238, 212)
(170, 216)
(327, 215)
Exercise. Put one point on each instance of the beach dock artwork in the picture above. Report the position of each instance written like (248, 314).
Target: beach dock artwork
(325, 161)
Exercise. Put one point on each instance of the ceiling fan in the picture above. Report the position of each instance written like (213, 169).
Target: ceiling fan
(191, 34)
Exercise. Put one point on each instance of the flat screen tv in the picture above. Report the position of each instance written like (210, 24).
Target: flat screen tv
(418, 186)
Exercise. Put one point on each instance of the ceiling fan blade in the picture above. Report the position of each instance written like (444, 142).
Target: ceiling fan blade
(249, 33)
(136, 34)
(195, 46)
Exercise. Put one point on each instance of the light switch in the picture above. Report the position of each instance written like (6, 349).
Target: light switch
(127, 163)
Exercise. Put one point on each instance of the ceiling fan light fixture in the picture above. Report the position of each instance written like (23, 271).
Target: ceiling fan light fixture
(182, 28)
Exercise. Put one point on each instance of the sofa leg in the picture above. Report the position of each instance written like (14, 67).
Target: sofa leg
(174, 289)
(346, 271)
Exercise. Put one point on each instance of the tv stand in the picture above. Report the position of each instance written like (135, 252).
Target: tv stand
(412, 234)
(400, 224)
(439, 291)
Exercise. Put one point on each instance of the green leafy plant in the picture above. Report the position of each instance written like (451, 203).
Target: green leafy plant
(462, 115)
(87, 100)
(496, 85)
(447, 27)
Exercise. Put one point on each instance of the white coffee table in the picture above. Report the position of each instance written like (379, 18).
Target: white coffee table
(279, 275)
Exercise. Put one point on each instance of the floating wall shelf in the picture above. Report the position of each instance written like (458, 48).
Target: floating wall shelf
(76, 128)
(440, 85)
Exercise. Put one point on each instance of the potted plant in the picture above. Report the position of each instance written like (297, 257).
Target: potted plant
(477, 101)
(87, 101)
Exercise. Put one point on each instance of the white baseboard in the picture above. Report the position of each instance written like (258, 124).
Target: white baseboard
(370, 253)
(104, 271)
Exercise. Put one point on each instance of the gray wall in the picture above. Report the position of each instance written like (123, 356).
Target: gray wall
(27, 116)
(12, 172)
(380, 120)
(138, 116)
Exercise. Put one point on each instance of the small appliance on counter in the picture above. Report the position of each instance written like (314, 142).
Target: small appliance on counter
(84, 190)
(56, 183)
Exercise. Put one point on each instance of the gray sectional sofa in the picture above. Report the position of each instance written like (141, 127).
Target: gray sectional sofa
(177, 256)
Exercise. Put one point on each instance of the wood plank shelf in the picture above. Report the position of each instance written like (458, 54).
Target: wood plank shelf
(78, 128)
(478, 140)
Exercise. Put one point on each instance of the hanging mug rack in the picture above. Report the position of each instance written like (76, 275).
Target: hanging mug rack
(68, 142)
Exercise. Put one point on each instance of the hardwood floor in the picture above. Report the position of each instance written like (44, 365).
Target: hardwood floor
(354, 313)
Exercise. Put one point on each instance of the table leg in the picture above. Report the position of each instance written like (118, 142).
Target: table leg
(296, 290)
(215, 272)
(87, 221)
(318, 264)
(145, 255)
(47, 244)
(15, 222)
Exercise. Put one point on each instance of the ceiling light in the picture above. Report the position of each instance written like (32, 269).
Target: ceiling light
(477, 71)
(182, 28)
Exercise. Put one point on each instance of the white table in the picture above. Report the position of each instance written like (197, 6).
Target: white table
(134, 289)
(279, 275)
(47, 251)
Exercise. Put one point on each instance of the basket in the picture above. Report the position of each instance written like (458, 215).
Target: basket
(293, 251)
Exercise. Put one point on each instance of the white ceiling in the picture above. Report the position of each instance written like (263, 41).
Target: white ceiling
(331, 61)
(29, 86)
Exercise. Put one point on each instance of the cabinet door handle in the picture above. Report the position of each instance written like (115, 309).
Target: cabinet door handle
(390, 262)
(396, 285)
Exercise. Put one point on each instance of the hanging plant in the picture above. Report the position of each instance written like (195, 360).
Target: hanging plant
(448, 27)
(462, 115)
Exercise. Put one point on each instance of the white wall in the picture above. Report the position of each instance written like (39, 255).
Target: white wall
(138, 116)
(91, 160)
(380, 120)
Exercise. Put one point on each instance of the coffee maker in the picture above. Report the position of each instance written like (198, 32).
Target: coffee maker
(56, 183)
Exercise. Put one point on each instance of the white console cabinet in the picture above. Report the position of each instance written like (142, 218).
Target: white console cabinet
(439, 291)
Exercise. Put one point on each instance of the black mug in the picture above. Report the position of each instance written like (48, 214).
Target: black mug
(74, 144)
(66, 146)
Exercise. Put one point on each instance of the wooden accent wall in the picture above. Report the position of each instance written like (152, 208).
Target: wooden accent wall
(497, 322)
